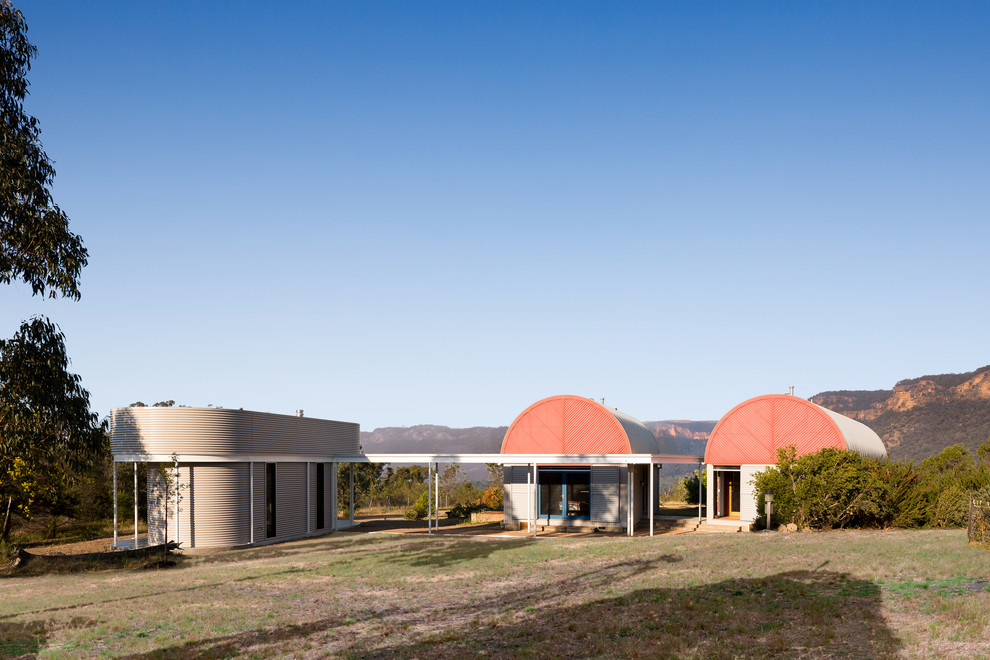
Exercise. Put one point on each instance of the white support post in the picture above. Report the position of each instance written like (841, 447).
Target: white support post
(629, 500)
(251, 501)
(436, 493)
(429, 498)
(699, 491)
(135, 507)
(653, 504)
(529, 497)
(333, 496)
(309, 497)
(536, 499)
(352, 493)
(115, 504)
(176, 489)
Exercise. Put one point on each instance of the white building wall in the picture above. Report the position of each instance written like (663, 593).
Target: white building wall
(747, 492)
(710, 494)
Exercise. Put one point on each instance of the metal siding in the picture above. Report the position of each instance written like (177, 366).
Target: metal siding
(311, 496)
(568, 424)
(228, 432)
(752, 432)
(259, 503)
(290, 500)
(518, 493)
(605, 494)
(640, 439)
(215, 499)
(747, 494)
(858, 436)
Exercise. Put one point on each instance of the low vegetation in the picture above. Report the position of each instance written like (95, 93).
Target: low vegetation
(839, 489)
(855, 594)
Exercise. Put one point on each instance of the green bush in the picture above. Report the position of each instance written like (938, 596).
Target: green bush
(836, 488)
(419, 509)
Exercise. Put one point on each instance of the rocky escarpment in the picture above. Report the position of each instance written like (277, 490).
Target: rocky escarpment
(919, 417)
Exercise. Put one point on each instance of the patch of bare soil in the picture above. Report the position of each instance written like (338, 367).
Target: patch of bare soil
(78, 548)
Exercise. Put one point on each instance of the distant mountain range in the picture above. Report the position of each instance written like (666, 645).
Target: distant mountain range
(920, 417)
(916, 419)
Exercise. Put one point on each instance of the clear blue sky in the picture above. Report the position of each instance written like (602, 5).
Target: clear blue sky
(404, 213)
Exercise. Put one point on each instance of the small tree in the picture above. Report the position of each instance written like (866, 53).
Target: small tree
(493, 498)
(691, 482)
(172, 496)
(496, 474)
(47, 433)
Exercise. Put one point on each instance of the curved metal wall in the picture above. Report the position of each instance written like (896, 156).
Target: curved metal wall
(569, 424)
(753, 431)
(228, 432)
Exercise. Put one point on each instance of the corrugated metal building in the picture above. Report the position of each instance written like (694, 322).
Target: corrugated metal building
(242, 477)
(611, 496)
(747, 438)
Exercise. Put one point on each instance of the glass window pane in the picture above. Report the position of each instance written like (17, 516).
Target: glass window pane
(579, 494)
(551, 493)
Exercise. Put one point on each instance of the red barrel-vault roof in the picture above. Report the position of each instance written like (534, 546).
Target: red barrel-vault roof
(568, 424)
(752, 432)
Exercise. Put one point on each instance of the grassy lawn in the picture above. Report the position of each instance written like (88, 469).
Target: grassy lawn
(842, 594)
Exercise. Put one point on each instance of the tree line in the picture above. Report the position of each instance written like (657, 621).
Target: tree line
(381, 486)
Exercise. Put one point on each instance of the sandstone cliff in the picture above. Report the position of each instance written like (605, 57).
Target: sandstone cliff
(921, 416)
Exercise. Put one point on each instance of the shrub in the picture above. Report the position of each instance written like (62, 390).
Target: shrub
(419, 508)
(830, 488)
(493, 498)
(837, 488)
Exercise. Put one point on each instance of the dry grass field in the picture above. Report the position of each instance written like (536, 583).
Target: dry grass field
(850, 594)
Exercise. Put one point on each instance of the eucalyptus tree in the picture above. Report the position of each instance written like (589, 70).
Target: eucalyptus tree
(47, 432)
(36, 245)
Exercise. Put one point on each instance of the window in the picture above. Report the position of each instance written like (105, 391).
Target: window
(270, 500)
(565, 494)
(320, 497)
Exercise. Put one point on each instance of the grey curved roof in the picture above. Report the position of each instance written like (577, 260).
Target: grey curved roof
(227, 432)
(858, 436)
(641, 439)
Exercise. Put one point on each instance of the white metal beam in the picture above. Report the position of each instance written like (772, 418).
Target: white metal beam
(470, 459)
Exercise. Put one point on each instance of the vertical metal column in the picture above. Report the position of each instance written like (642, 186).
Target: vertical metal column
(436, 493)
(629, 501)
(115, 504)
(536, 499)
(352, 493)
(529, 497)
(429, 498)
(135, 507)
(699, 491)
(309, 497)
(333, 496)
(176, 489)
(251, 502)
(653, 504)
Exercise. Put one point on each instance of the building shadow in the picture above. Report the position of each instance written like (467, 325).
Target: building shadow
(797, 614)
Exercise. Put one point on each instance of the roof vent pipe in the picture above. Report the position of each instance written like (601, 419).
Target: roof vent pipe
(299, 413)
(791, 392)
